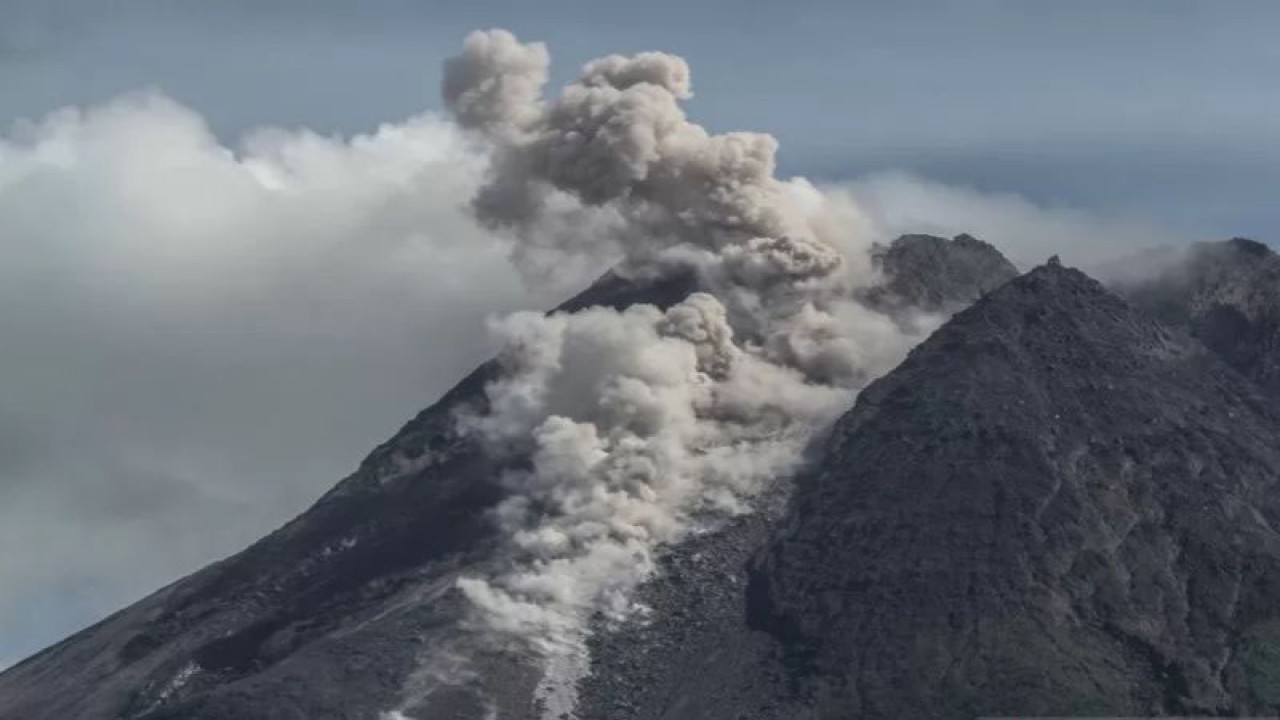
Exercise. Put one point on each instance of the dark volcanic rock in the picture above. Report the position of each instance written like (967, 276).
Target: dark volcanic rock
(934, 274)
(1055, 506)
(695, 656)
(1227, 295)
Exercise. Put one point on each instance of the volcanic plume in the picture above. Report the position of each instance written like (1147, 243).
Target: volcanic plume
(641, 426)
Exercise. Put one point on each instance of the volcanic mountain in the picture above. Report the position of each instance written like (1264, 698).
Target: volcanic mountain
(1056, 505)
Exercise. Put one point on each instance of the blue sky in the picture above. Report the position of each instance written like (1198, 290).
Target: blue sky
(167, 402)
(1165, 107)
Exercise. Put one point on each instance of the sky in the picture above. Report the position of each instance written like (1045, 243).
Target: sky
(234, 255)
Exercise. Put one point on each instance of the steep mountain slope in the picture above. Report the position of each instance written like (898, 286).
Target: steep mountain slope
(1055, 506)
(1227, 295)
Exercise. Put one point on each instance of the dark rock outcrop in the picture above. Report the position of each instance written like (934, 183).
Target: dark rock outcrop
(925, 272)
(1227, 295)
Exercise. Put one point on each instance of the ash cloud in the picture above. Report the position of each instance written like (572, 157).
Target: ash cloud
(641, 426)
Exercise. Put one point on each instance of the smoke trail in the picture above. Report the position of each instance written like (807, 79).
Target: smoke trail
(642, 425)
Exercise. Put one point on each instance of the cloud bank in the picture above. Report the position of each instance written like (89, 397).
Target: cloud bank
(200, 339)
(1027, 233)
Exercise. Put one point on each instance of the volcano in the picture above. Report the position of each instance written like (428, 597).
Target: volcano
(1060, 503)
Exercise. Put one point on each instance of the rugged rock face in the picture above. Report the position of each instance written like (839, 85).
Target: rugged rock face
(1227, 295)
(1055, 506)
(934, 274)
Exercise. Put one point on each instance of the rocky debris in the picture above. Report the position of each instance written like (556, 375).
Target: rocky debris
(694, 655)
(1227, 295)
(933, 274)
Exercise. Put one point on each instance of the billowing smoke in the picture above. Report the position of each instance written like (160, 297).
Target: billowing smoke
(641, 426)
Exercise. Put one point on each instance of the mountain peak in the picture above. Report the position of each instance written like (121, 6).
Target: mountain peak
(932, 273)
(1250, 247)
(1054, 303)
(1054, 506)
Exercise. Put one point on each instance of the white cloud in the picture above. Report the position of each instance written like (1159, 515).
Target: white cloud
(198, 340)
(1027, 233)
